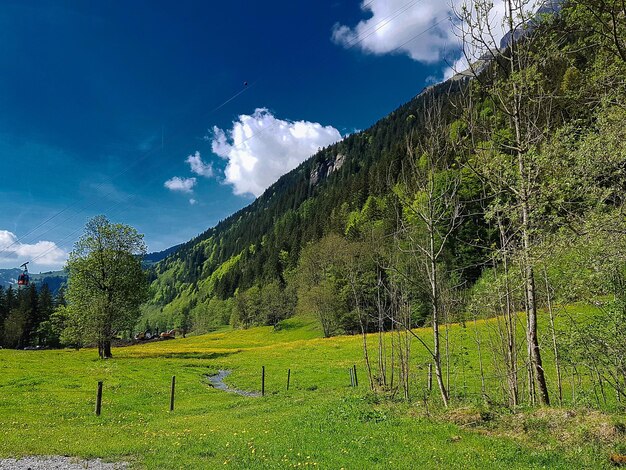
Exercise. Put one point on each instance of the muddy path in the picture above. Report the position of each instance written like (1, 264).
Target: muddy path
(217, 381)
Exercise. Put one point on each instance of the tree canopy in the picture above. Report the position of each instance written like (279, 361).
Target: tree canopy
(106, 284)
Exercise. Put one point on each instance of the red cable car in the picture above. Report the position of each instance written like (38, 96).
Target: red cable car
(23, 279)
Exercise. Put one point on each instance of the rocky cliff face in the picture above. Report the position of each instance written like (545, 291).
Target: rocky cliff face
(323, 170)
(547, 7)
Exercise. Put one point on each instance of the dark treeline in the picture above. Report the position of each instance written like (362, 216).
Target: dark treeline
(27, 317)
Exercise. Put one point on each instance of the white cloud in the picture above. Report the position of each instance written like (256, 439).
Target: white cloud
(393, 25)
(260, 148)
(193, 202)
(184, 185)
(198, 166)
(14, 252)
(426, 30)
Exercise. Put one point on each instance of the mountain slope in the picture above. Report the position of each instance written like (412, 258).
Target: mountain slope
(263, 241)
(260, 245)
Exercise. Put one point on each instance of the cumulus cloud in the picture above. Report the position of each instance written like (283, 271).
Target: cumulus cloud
(394, 23)
(260, 148)
(193, 202)
(198, 166)
(426, 30)
(14, 252)
(183, 185)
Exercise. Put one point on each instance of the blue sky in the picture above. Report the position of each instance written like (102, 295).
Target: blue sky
(139, 109)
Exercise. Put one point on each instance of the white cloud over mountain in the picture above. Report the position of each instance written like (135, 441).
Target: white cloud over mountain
(427, 31)
(48, 254)
(260, 148)
(393, 24)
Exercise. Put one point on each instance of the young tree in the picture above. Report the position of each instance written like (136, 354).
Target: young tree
(432, 211)
(106, 284)
(511, 79)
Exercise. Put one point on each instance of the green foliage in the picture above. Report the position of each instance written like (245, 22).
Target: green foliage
(265, 305)
(106, 284)
(25, 317)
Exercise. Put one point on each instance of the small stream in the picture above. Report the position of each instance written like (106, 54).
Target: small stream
(217, 381)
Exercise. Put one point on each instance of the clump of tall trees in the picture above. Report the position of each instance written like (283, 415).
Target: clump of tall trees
(27, 317)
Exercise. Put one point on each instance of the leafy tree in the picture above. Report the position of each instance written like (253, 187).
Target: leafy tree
(14, 327)
(247, 307)
(432, 208)
(106, 284)
(322, 283)
(45, 308)
(276, 303)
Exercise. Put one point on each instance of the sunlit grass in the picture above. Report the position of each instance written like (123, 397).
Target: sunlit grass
(47, 401)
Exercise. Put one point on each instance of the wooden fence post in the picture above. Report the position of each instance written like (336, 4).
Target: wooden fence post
(356, 380)
(173, 387)
(263, 381)
(288, 377)
(99, 399)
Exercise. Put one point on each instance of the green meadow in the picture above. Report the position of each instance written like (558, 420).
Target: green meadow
(47, 407)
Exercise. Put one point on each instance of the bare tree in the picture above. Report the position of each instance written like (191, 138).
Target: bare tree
(432, 213)
(506, 76)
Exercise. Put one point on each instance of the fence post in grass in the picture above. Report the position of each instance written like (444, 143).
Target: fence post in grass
(430, 377)
(262, 381)
(288, 377)
(356, 380)
(172, 389)
(99, 399)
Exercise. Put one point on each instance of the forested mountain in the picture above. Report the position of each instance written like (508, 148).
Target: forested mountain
(262, 242)
(510, 168)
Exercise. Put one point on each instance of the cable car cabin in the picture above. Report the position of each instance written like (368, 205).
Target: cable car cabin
(23, 279)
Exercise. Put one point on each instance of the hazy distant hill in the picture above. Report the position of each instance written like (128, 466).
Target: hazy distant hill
(157, 256)
(54, 279)
(9, 276)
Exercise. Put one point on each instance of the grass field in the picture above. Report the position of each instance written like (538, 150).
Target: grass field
(47, 401)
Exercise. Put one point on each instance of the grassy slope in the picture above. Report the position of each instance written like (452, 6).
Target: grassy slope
(46, 407)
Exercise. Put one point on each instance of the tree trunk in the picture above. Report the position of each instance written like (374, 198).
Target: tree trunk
(362, 324)
(557, 364)
(509, 320)
(529, 275)
(435, 307)
(367, 357)
(533, 340)
(106, 349)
